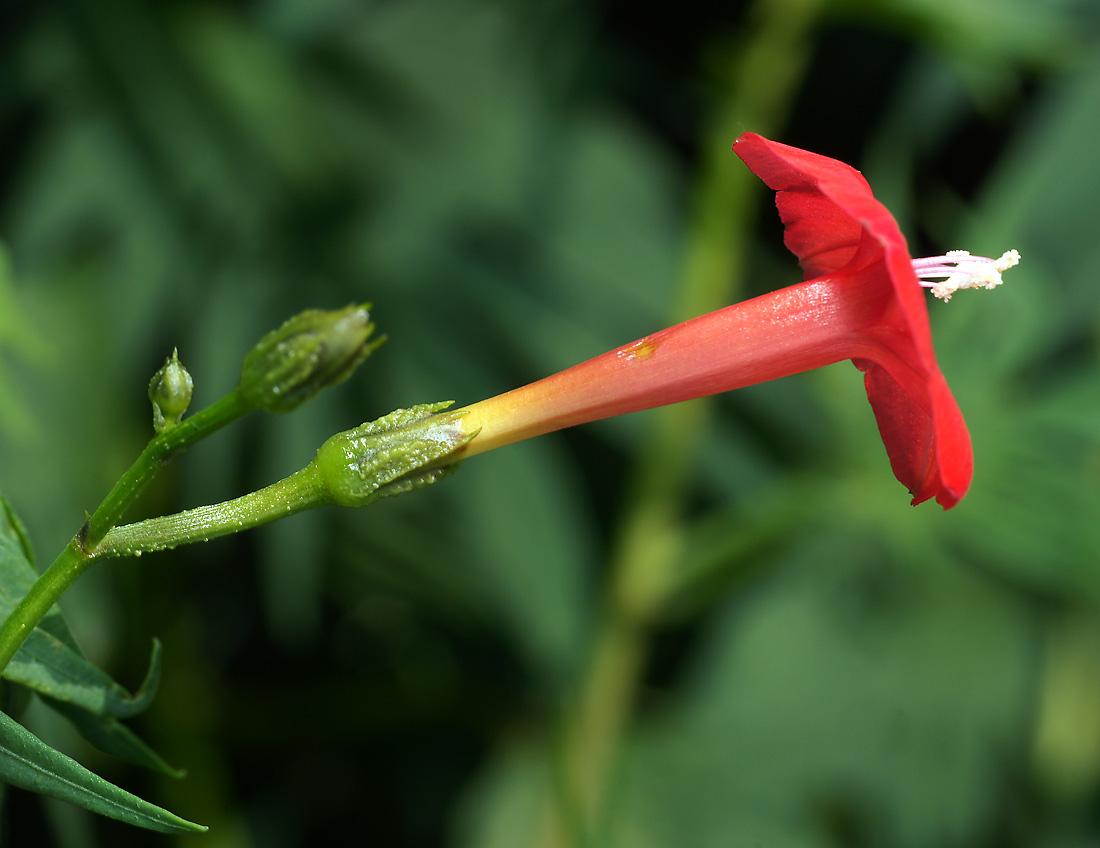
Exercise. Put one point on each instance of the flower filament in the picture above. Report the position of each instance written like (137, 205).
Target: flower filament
(958, 269)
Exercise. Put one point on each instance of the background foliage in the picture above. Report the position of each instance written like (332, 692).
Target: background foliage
(517, 187)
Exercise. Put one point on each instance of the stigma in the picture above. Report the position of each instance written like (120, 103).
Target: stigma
(958, 269)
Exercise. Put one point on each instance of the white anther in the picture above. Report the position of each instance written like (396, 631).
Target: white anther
(958, 269)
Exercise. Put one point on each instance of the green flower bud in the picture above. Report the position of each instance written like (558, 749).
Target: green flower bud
(170, 393)
(312, 350)
(407, 449)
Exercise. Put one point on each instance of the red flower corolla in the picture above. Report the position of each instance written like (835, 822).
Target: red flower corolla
(862, 300)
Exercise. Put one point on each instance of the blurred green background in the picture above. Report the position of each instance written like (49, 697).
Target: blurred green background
(716, 625)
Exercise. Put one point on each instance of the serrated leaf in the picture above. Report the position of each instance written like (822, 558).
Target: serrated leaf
(29, 763)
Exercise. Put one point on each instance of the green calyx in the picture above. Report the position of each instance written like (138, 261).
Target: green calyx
(313, 350)
(170, 393)
(405, 450)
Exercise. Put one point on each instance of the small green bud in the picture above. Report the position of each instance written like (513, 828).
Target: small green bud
(170, 393)
(314, 349)
(405, 450)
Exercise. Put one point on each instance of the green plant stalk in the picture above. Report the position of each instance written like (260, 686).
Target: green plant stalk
(159, 450)
(301, 490)
(49, 586)
(761, 80)
(83, 548)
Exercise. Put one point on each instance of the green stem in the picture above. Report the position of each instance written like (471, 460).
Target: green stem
(593, 739)
(84, 548)
(301, 490)
(49, 586)
(159, 450)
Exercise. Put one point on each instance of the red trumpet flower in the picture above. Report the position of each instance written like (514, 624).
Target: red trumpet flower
(862, 299)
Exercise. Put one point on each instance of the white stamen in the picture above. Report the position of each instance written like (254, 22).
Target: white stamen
(957, 269)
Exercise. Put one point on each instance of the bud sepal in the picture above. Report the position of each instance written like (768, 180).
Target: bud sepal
(170, 393)
(405, 450)
(311, 351)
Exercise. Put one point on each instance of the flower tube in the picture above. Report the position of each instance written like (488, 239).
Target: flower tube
(862, 299)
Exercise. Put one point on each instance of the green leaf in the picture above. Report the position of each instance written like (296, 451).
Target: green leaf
(52, 665)
(109, 735)
(29, 763)
(10, 525)
(49, 661)
(112, 737)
